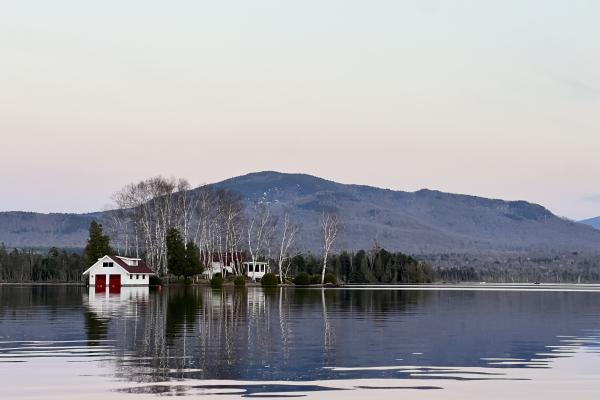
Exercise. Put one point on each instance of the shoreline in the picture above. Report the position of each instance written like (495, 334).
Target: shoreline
(467, 286)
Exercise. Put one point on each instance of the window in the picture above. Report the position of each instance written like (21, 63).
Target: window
(143, 276)
(137, 277)
(107, 264)
(250, 268)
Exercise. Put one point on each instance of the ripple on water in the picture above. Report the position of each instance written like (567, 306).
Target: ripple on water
(289, 344)
(25, 350)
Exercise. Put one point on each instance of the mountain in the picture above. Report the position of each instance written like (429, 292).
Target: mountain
(422, 222)
(29, 229)
(593, 222)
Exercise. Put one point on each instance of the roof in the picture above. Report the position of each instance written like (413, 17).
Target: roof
(141, 268)
(215, 270)
(227, 258)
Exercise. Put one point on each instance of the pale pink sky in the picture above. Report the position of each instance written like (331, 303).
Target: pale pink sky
(498, 99)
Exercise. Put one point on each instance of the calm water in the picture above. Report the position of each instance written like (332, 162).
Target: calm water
(61, 341)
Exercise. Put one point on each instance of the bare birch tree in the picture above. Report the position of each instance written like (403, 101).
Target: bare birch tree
(218, 228)
(289, 232)
(329, 224)
(205, 221)
(260, 231)
(230, 213)
(186, 205)
(152, 207)
(118, 226)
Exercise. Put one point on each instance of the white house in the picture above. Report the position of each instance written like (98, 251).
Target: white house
(115, 271)
(216, 263)
(256, 269)
(217, 268)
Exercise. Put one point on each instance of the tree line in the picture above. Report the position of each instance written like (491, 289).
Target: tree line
(31, 266)
(216, 221)
(548, 267)
(181, 232)
(367, 266)
(363, 266)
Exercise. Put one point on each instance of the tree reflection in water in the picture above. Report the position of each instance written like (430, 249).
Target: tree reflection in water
(185, 332)
(296, 334)
(254, 336)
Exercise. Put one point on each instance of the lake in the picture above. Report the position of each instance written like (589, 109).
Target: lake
(61, 342)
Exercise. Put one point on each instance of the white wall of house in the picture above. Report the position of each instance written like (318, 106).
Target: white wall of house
(126, 278)
(255, 270)
(215, 268)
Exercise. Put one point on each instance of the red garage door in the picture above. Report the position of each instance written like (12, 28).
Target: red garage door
(114, 284)
(100, 283)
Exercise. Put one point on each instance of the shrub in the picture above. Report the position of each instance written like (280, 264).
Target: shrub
(216, 282)
(239, 281)
(330, 278)
(269, 280)
(302, 279)
(155, 280)
(315, 279)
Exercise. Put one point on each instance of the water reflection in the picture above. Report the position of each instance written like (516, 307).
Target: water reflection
(102, 306)
(170, 341)
(195, 332)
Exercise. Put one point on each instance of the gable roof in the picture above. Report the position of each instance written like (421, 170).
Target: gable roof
(141, 268)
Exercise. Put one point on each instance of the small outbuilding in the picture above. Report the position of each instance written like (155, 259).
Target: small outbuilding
(116, 271)
(256, 269)
(221, 263)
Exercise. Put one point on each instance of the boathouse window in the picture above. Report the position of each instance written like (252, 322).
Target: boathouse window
(137, 277)
(107, 264)
(250, 268)
(143, 276)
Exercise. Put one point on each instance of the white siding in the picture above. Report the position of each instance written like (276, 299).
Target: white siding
(126, 278)
(258, 271)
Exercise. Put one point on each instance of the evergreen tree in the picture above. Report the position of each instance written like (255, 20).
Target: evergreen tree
(193, 265)
(98, 244)
(312, 265)
(175, 253)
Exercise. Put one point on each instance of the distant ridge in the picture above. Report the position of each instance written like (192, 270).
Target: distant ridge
(30, 229)
(422, 222)
(593, 222)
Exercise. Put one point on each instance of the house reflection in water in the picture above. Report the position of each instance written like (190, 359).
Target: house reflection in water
(197, 332)
(106, 304)
(103, 306)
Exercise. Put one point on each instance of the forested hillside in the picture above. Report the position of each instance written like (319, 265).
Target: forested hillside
(422, 222)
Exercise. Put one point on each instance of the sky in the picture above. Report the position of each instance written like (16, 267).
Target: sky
(492, 98)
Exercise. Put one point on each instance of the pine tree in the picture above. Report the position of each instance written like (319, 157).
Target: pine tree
(193, 265)
(98, 244)
(176, 260)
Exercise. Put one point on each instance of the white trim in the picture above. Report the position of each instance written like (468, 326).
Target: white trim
(129, 258)
(87, 271)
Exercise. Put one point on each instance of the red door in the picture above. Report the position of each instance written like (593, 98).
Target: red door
(114, 284)
(100, 283)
